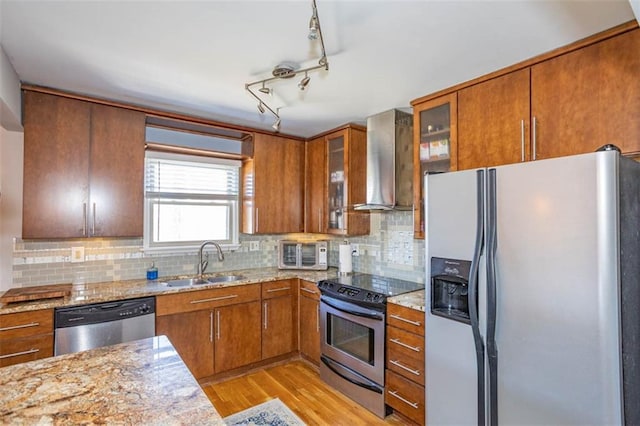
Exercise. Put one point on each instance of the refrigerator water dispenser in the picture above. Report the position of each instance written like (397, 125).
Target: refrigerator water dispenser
(450, 289)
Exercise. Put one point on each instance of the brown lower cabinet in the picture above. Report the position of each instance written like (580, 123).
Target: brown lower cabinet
(26, 336)
(310, 321)
(213, 330)
(279, 317)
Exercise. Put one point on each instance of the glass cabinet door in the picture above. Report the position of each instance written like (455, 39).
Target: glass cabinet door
(435, 150)
(337, 193)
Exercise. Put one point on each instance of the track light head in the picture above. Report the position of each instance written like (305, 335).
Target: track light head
(313, 27)
(304, 82)
(276, 125)
(261, 108)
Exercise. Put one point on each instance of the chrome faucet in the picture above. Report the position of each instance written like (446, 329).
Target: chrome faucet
(202, 264)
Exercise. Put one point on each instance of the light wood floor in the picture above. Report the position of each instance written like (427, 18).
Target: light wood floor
(299, 387)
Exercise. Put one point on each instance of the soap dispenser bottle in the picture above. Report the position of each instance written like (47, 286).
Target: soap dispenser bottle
(152, 272)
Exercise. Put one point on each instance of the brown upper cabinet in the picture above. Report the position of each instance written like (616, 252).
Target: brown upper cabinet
(434, 147)
(493, 121)
(315, 214)
(273, 186)
(587, 98)
(83, 169)
(346, 181)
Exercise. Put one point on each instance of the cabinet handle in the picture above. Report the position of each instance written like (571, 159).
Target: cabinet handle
(15, 327)
(84, 219)
(30, 351)
(217, 325)
(404, 345)
(395, 394)
(211, 326)
(399, 318)
(404, 367)
(93, 222)
(308, 291)
(522, 139)
(213, 299)
(318, 319)
(533, 137)
(272, 290)
(320, 219)
(265, 315)
(257, 220)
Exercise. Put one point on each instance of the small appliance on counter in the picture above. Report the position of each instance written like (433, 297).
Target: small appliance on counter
(311, 255)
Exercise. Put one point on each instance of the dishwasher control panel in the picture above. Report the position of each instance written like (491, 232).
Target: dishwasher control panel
(104, 312)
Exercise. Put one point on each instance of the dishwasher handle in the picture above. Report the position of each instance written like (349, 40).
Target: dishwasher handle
(104, 312)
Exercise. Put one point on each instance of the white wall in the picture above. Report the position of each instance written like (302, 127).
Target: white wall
(635, 5)
(11, 159)
(10, 100)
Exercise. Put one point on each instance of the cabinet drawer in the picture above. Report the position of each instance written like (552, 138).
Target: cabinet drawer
(23, 324)
(278, 288)
(405, 396)
(15, 351)
(206, 299)
(405, 355)
(405, 318)
(309, 289)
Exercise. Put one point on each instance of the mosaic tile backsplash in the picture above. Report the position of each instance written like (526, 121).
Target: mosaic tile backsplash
(389, 250)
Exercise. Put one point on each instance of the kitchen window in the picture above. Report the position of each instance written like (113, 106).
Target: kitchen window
(189, 199)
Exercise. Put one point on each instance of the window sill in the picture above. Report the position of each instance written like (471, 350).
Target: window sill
(169, 250)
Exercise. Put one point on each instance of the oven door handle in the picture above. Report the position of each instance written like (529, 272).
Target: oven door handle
(351, 309)
(326, 361)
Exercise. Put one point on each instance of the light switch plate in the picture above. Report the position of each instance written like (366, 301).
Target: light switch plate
(355, 250)
(77, 254)
(254, 245)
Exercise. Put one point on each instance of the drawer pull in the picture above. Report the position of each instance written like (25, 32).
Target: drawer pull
(308, 291)
(30, 351)
(399, 318)
(410, 370)
(273, 290)
(395, 394)
(398, 342)
(15, 327)
(214, 299)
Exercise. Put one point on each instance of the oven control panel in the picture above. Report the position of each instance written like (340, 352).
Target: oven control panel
(350, 293)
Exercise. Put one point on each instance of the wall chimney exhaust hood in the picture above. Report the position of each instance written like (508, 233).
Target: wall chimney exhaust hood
(389, 162)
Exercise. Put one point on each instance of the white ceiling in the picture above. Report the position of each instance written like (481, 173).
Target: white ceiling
(195, 57)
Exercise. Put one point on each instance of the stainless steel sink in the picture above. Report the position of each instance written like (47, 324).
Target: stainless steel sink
(225, 278)
(186, 282)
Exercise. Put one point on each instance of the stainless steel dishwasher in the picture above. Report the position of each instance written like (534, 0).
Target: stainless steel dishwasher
(79, 328)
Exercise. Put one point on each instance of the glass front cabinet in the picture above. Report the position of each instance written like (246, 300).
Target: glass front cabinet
(435, 147)
(346, 181)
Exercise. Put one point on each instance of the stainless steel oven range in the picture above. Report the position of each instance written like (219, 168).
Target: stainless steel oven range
(352, 329)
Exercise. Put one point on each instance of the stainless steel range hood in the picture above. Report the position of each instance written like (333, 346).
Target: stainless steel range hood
(389, 162)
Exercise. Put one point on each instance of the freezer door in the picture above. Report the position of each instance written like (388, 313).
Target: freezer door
(451, 372)
(557, 292)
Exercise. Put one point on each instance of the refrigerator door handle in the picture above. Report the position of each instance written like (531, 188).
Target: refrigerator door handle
(492, 350)
(473, 294)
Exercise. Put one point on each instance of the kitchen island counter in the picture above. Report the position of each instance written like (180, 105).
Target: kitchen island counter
(141, 382)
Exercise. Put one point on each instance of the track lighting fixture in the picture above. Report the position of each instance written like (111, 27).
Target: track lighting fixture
(287, 70)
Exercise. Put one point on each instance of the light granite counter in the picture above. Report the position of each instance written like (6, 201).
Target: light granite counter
(118, 290)
(414, 300)
(141, 382)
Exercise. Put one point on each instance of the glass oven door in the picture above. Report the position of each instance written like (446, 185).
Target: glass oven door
(353, 336)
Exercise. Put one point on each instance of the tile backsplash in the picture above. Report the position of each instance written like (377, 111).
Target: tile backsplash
(389, 250)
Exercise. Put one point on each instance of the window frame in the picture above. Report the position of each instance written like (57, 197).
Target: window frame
(190, 246)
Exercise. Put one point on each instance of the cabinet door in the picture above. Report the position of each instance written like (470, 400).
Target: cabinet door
(237, 336)
(117, 172)
(493, 122)
(191, 333)
(277, 326)
(316, 184)
(587, 98)
(434, 147)
(310, 328)
(56, 166)
(276, 204)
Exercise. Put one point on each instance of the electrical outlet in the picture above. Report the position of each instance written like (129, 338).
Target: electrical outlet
(254, 245)
(355, 250)
(77, 254)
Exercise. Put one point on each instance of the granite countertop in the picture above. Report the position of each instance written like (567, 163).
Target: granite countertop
(141, 382)
(118, 290)
(414, 300)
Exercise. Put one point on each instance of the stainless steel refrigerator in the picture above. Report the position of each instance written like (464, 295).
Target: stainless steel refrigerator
(533, 293)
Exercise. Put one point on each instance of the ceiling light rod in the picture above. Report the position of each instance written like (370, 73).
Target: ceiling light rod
(260, 101)
(323, 58)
